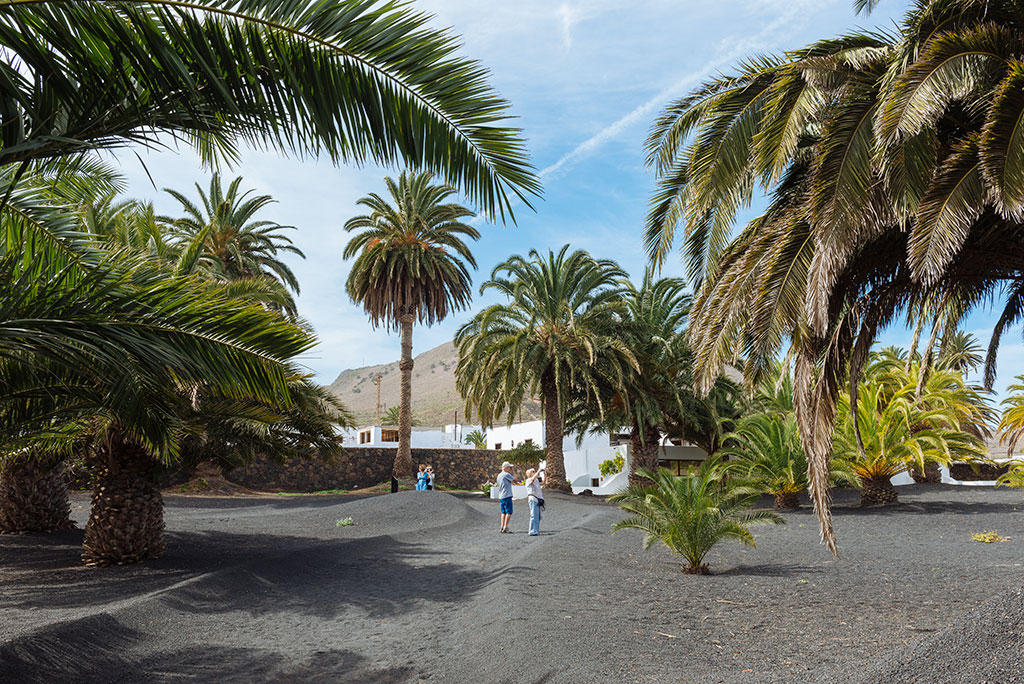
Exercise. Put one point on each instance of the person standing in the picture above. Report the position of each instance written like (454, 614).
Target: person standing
(535, 496)
(504, 485)
(422, 479)
(430, 477)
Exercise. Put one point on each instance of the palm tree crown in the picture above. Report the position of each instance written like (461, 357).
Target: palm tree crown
(410, 255)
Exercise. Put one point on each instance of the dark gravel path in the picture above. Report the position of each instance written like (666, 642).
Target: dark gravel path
(423, 588)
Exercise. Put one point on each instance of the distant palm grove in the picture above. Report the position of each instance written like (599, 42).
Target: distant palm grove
(132, 342)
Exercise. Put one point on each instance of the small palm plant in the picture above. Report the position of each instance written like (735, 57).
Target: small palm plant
(477, 439)
(691, 514)
(765, 452)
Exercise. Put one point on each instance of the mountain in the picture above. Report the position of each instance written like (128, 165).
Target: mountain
(434, 398)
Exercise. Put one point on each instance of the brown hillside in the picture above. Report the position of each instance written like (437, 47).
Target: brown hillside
(434, 398)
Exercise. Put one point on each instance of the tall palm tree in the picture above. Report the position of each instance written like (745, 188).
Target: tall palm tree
(221, 237)
(557, 336)
(896, 183)
(410, 266)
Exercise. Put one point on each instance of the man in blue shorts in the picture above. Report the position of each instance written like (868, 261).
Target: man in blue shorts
(504, 485)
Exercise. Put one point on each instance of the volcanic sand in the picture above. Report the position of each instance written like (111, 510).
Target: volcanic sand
(423, 588)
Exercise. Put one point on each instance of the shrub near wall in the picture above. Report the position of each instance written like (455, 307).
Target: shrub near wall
(361, 467)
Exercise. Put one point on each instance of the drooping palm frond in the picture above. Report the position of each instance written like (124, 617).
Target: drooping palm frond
(356, 80)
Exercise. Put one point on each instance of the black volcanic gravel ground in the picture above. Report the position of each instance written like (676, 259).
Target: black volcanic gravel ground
(423, 588)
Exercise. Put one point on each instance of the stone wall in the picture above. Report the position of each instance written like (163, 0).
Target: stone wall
(966, 473)
(361, 467)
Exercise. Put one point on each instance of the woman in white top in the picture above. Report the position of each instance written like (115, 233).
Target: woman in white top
(535, 496)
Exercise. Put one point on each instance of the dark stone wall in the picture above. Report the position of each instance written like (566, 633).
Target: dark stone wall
(361, 467)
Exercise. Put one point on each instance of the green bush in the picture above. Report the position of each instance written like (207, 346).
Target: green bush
(612, 466)
(486, 488)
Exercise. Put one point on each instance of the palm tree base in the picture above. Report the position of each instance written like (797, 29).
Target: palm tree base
(126, 524)
(931, 475)
(34, 495)
(697, 569)
(877, 492)
(788, 500)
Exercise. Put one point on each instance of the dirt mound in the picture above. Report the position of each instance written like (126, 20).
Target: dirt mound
(985, 646)
(406, 512)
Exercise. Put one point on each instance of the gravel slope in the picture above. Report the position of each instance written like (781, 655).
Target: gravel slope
(423, 588)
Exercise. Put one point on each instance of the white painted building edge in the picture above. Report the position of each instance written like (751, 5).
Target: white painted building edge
(447, 437)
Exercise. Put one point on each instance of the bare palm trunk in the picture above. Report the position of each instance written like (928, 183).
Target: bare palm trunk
(877, 491)
(932, 473)
(787, 501)
(643, 447)
(554, 474)
(126, 523)
(33, 494)
(403, 468)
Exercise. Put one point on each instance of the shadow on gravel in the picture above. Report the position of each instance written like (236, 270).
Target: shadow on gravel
(102, 649)
(258, 574)
(930, 508)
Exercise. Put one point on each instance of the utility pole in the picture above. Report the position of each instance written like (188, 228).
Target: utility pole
(376, 381)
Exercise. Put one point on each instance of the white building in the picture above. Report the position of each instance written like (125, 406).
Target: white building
(506, 437)
(447, 437)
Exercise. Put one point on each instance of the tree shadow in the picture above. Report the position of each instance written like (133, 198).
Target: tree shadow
(102, 649)
(210, 572)
(768, 570)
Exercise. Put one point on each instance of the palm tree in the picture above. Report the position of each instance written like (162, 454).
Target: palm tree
(222, 239)
(477, 439)
(410, 266)
(891, 430)
(768, 455)
(1011, 423)
(691, 514)
(393, 416)
(558, 336)
(895, 182)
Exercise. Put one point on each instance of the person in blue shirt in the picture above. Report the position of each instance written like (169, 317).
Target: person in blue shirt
(504, 484)
(422, 479)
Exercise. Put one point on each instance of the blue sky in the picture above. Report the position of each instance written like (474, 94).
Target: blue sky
(585, 79)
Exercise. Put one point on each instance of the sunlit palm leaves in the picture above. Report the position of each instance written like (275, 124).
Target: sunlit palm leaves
(691, 514)
(895, 173)
(354, 80)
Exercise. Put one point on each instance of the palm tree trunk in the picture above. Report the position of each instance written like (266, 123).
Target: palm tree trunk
(554, 473)
(787, 500)
(403, 468)
(877, 491)
(33, 494)
(932, 473)
(643, 448)
(126, 523)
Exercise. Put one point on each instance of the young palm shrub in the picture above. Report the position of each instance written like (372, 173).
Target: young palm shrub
(892, 433)
(691, 514)
(410, 266)
(765, 452)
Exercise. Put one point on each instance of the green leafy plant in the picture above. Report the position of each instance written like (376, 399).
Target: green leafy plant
(526, 454)
(477, 439)
(612, 466)
(691, 514)
(1014, 477)
(486, 488)
(345, 522)
(991, 537)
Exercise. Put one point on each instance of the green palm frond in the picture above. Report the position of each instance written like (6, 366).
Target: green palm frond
(355, 80)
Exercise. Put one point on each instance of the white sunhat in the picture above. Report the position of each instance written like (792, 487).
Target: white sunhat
(506, 464)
